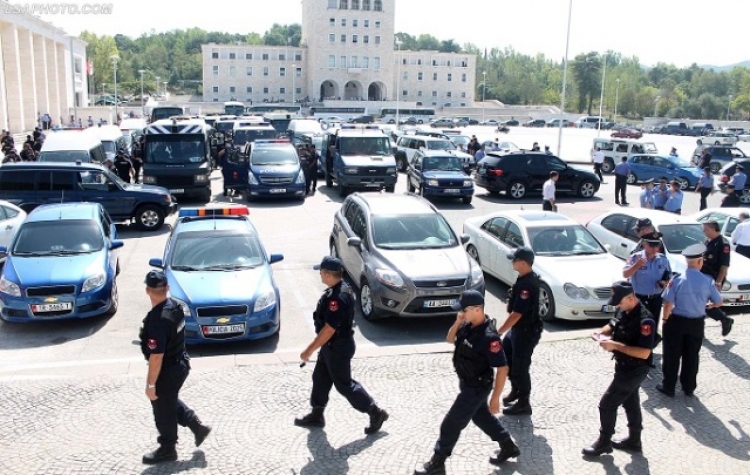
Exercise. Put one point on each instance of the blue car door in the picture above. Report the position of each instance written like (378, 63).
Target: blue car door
(666, 168)
(101, 187)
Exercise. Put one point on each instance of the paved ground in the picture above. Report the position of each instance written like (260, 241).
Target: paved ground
(85, 420)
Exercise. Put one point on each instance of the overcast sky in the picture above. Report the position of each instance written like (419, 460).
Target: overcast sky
(680, 32)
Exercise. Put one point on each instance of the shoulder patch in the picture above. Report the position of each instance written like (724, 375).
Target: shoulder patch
(333, 305)
(495, 346)
(524, 294)
(646, 329)
(151, 343)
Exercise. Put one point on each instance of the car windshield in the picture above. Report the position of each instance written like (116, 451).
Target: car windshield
(447, 163)
(677, 237)
(425, 231)
(307, 127)
(563, 241)
(273, 155)
(440, 145)
(197, 251)
(71, 156)
(680, 162)
(460, 139)
(109, 146)
(649, 147)
(242, 136)
(175, 148)
(59, 237)
(364, 146)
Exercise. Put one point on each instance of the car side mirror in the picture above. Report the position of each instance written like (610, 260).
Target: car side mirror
(114, 245)
(465, 238)
(275, 258)
(156, 262)
(3, 250)
(112, 187)
(417, 166)
(353, 241)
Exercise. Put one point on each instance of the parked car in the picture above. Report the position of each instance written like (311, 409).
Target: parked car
(11, 217)
(447, 123)
(615, 230)
(491, 122)
(439, 173)
(502, 146)
(720, 156)
(726, 176)
(402, 255)
(727, 218)
(556, 123)
(518, 173)
(560, 245)
(647, 167)
(717, 137)
(627, 134)
(511, 123)
(535, 123)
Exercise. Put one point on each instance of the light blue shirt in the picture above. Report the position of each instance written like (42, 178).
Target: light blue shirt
(674, 202)
(647, 198)
(706, 181)
(738, 180)
(660, 196)
(479, 155)
(622, 168)
(645, 280)
(690, 292)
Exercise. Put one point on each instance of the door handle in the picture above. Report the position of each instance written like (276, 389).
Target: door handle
(9, 227)
(623, 245)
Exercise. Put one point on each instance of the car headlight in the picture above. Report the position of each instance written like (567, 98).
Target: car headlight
(575, 292)
(477, 275)
(185, 308)
(251, 178)
(468, 183)
(389, 278)
(265, 300)
(93, 282)
(432, 183)
(201, 178)
(300, 178)
(351, 170)
(390, 170)
(149, 180)
(726, 286)
(9, 288)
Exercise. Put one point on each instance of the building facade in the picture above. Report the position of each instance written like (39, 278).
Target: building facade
(347, 53)
(42, 71)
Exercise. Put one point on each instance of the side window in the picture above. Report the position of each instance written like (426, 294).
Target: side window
(17, 180)
(637, 148)
(359, 226)
(97, 154)
(420, 144)
(622, 148)
(106, 223)
(416, 160)
(607, 147)
(3, 213)
(495, 227)
(731, 224)
(350, 213)
(62, 181)
(555, 164)
(9, 212)
(513, 237)
(92, 180)
(616, 223)
(535, 164)
(737, 153)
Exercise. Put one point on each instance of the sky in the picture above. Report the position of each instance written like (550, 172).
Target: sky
(679, 32)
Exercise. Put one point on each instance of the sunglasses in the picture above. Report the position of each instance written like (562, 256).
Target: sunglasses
(652, 244)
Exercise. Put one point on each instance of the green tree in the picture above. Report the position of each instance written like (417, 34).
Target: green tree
(587, 75)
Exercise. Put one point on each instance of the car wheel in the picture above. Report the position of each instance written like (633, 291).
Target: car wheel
(466, 200)
(409, 187)
(420, 122)
(586, 189)
(114, 299)
(149, 218)
(367, 302)
(715, 167)
(632, 179)
(343, 191)
(608, 166)
(401, 162)
(473, 253)
(745, 197)
(392, 121)
(546, 303)
(516, 190)
(717, 143)
(684, 184)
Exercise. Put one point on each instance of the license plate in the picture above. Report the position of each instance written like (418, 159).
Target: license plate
(52, 307)
(373, 185)
(277, 190)
(177, 190)
(451, 190)
(439, 303)
(609, 308)
(223, 329)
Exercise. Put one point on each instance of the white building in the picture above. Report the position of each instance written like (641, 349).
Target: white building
(347, 53)
(42, 70)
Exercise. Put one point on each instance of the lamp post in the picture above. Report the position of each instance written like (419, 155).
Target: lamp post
(565, 79)
(157, 88)
(617, 96)
(601, 97)
(165, 90)
(484, 87)
(114, 59)
(729, 106)
(294, 74)
(101, 92)
(656, 106)
(398, 82)
(141, 71)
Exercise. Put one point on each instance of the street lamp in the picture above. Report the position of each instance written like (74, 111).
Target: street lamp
(656, 106)
(101, 93)
(617, 96)
(484, 87)
(141, 71)
(165, 90)
(565, 78)
(157, 88)
(294, 74)
(601, 97)
(398, 81)
(114, 59)
(729, 106)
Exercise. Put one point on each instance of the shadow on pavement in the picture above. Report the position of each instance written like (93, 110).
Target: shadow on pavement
(40, 334)
(264, 345)
(723, 354)
(528, 463)
(330, 460)
(198, 460)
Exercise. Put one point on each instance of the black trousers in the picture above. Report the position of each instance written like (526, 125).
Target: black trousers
(168, 409)
(334, 369)
(621, 184)
(310, 180)
(682, 342)
(470, 405)
(519, 344)
(623, 391)
(705, 192)
(743, 250)
(137, 170)
(598, 171)
(546, 205)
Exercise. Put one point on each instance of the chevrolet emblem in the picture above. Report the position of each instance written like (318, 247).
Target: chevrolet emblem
(222, 320)
(442, 284)
(51, 299)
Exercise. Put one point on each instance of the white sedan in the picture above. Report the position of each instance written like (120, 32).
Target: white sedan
(11, 217)
(728, 219)
(718, 138)
(576, 271)
(615, 230)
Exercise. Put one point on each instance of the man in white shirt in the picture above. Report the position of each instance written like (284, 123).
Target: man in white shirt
(598, 158)
(741, 235)
(548, 193)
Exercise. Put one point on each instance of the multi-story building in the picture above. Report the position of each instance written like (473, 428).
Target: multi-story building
(347, 53)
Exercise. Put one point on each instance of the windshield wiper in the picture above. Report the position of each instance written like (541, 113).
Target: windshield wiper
(227, 267)
(185, 268)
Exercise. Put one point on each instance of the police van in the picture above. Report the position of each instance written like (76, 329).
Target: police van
(177, 156)
(275, 170)
(249, 133)
(359, 157)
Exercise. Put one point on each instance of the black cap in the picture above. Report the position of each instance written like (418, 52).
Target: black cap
(706, 169)
(522, 253)
(664, 179)
(652, 237)
(155, 278)
(642, 223)
(469, 298)
(330, 263)
(620, 290)
(695, 251)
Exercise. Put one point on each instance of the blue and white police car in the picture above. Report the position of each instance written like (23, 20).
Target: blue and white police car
(219, 272)
(62, 263)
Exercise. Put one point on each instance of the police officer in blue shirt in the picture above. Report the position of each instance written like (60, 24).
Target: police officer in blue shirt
(674, 200)
(647, 194)
(661, 193)
(739, 179)
(705, 186)
(685, 303)
(622, 170)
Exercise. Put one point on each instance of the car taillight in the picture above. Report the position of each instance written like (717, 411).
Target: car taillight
(495, 172)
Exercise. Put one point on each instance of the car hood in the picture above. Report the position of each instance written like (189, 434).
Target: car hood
(284, 169)
(42, 271)
(592, 271)
(369, 160)
(219, 287)
(428, 263)
(444, 174)
(148, 189)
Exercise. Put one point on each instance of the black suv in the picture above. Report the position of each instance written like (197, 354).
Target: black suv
(720, 156)
(726, 176)
(535, 123)
(520, 172)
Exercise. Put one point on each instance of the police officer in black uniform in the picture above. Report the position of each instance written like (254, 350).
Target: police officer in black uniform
(629, 336)
(478, 351)
(123, 166)
(163, 345)
(716, 265)
(522, 329)
(334, 320)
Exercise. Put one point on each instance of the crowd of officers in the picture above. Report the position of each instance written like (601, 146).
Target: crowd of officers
(29, 150)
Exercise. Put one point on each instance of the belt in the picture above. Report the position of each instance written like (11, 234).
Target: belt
(647, 297)
(687, 318)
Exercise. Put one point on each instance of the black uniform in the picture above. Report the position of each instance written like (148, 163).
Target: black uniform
(717, 255)
(123, 167)
(634, 328)
(333, 367)
(163, 332)
(137, 161)
(311, 171)
(732, 200)
(520, 341)
(478, 350)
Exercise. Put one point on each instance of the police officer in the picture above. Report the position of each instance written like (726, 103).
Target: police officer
(311, 172)
(739, 179)
(647, 194)
(478, 350)
(522, 329)
(731, 200)
(716, 265)
(685, 300)
(622, 170)
(661, 193)
(123, 166)
(630, 338)
(674, 198)
(334, 319)
(163, 345)
(705, 186)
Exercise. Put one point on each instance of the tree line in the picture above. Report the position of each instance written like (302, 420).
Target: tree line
(506, 75)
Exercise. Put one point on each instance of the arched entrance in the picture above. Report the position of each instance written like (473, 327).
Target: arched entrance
(353, 91)
(376, 91)
(329, 90)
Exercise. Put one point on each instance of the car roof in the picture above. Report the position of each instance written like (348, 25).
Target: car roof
(72, 140)
(728, 211)
(64, 211)
(657, 217)
(438, 153)
(387, 204)
(55, 165)
(532, 218)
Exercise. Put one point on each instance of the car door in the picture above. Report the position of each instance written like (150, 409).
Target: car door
(536, 171)
(7, 228)
(488, 239)
(415, 171)
(620, 238)
(101, 187)
(566, 180)
(510, 240)
(665, 167)
(342, 230)
(642, 167)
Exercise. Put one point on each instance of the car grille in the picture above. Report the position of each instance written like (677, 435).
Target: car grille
(603, 293)
(370, 171)
(175, 181)
(51, 290)
(744, 287)
(223, 311)
(276, 180)
(454, 182)
(439, 283)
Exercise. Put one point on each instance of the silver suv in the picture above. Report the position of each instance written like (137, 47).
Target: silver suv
(402, 255)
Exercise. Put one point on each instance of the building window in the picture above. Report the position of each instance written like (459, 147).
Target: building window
(376, 63)
(367, 23)
(434, 76)
(354, 38)
(282, 72)
(365, 62)
(215, 89)
(298, 72)
(354, 62)
(419, 93)
(365, 39)
(434, 93)
(298, 56)
(214, 54)
(216, 70)
(404, 93)
(463, 77)
(343, 62)
(419, 62)
(331, 22)
(405, 76)
(419, 76)
(249, 89)
(377, 5)
(354, 22)
(265, 70)
(464, 64)
(355, 6)
(343, 22)
(331, 37)
(463, 104)
(434, 62)
(231, 70)
(343, 38)
(265, 90)
(249, 71)
(232, 55)
(377, 24)
(463, 95)
(332, 3)
(282, 90)
(282, 57)
(248, 55)
(265, 56)
(343, 4)
(403, 61)
(232, 89)
(434, 103)
(377, 40)
(448, 94)
(366, 6)
(298, 90)
(331, 61)
(450, 77)
(448, 63)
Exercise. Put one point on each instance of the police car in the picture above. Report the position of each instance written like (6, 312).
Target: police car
(219, 272)
(275, 170)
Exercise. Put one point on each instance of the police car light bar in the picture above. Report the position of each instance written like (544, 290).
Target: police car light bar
(229, 211)
(359, 127)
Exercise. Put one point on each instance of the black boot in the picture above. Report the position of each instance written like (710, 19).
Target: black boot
(200, 431)
(508, 449)
(632, 442)
(377, 417)
(314, 419)
(163, 454)
(511, 397)
(435, 466)
(520, 408)
(602, 445)
(726, 326)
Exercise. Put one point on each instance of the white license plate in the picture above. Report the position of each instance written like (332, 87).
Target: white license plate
(373, 185)
(52, 307)
(452, 190)
(609, 308)
(277, 190)
(223, 329)
(177, 190)
(439, 303)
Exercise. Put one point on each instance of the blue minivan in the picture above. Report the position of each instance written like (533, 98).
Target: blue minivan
(275, 170)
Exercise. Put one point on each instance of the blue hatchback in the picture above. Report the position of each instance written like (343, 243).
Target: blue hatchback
(61, 264)
(646, 167)
(220, 273)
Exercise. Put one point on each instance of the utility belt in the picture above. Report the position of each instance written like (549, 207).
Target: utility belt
(175, 360)
(482, 381)
(687, 318)
(536, 325)
(648, 297)
(341, 336)
(628, 362)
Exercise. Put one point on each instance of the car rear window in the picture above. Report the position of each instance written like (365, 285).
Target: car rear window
(17, 180)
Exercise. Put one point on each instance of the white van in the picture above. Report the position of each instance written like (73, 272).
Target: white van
(589, 122)
(298, 127)
(615, 149)
(111, 138)
(72, 146)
